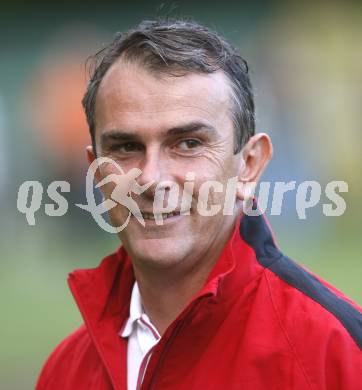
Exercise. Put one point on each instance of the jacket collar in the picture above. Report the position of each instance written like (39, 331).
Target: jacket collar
(103, 294)
(236, 266)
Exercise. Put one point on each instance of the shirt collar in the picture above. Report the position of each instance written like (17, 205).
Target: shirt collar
(135, 311)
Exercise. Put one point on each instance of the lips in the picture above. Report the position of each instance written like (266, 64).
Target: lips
(154, 216)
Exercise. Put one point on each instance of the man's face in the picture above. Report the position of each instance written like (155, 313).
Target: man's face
(167, 127)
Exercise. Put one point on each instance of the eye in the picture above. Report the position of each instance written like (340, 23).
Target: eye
(127, 147)
(188, 144)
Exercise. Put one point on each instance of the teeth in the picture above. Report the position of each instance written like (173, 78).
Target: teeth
(152, 216)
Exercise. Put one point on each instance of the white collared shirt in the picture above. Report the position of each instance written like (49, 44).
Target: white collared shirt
(142, 336)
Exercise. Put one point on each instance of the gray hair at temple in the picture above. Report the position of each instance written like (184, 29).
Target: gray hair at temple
(178, 47)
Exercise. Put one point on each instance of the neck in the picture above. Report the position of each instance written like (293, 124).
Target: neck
(167, 292)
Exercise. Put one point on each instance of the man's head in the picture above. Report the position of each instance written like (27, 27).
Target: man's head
(176, 48)
(172, 98)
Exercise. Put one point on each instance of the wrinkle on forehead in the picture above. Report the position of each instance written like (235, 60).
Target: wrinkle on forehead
(129, 88)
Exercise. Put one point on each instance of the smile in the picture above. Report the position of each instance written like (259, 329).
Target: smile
(154, 216)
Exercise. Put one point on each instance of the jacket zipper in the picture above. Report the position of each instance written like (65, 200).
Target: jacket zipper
(169, 342)
(146, 358)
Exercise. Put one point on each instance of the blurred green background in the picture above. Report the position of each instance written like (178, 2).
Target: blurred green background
(306, 63)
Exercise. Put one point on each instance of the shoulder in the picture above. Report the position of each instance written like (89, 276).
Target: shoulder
(322, 327)
(67, 357)
(298, 294)
(300, 299)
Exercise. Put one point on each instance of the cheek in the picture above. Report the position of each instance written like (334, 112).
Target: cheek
(106, 189)
(215, 178)
(111, 171)
(207, 197)
(118, 214)
(214, 185)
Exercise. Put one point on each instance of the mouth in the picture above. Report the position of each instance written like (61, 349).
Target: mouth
(159, 216)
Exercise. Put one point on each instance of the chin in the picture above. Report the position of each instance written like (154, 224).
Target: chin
(155, 252)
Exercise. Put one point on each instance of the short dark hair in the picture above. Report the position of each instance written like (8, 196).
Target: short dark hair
(177, 47)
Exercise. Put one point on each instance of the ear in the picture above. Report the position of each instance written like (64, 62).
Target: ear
(91, 157)
(256, 155)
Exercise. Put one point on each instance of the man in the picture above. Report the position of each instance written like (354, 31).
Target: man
(197, 301)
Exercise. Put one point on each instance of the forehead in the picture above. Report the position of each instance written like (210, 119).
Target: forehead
(131, 96)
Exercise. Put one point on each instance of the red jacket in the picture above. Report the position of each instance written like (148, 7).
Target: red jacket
(260, 322)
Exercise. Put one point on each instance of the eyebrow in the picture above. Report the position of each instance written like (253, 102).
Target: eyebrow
(118, 135)
(192, 127)
(126, 136)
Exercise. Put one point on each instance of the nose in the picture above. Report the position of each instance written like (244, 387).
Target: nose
(154, 169)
